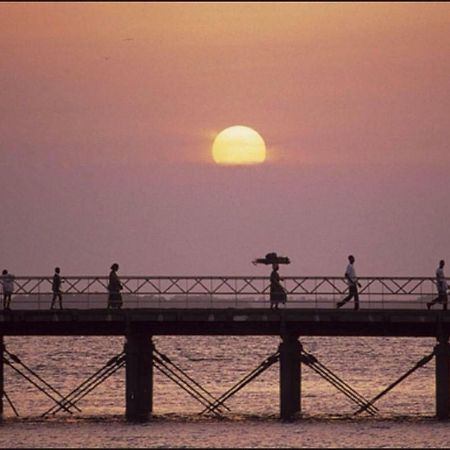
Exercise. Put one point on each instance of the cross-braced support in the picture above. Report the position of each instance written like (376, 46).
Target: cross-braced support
(165, 365)
(419, 364)
(15, 363)
(140, 356)
(241, 383)
(88, 385)
(311, 361)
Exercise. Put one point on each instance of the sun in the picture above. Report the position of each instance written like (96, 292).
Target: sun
(239, 145)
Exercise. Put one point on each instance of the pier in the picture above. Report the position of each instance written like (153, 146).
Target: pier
(201, 306)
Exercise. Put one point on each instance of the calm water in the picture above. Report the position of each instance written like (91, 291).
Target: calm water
(405, 419)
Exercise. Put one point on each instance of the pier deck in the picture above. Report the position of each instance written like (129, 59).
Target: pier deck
(227, 321)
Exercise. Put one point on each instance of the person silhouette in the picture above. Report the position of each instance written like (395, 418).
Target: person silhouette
(8, 288)
(277, 291)
(352, 282)
(56, 288)
(114, 288)
(442, 287)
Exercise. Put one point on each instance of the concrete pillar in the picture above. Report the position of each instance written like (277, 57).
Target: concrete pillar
(139, 377)
(290, 377)
(442, 355)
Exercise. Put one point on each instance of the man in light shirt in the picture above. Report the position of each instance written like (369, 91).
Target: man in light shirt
(442, 287)
(352, 281)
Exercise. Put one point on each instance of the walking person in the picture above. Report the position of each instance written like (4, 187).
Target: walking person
(442, 287)
(277, 291)
(56, 288)
(8, 288)
(353, 284)
(114, 288)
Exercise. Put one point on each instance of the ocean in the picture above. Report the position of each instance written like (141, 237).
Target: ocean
(405, 417)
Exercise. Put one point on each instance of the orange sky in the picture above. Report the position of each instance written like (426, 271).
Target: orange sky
(111, 108)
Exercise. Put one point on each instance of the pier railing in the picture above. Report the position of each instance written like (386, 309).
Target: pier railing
(224, 291)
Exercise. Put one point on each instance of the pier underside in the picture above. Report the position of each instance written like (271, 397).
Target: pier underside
(138, 326)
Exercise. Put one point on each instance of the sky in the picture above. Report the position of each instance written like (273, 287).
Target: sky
(108, 113)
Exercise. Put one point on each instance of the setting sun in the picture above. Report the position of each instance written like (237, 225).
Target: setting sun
(239, 145)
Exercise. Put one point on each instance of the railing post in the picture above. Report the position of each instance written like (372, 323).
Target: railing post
(290, 377)
(442, 355)
(139, 376)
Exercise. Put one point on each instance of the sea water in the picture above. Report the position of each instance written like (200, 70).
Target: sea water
(405, 415)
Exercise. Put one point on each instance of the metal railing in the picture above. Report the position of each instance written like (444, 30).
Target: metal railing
(224, 291)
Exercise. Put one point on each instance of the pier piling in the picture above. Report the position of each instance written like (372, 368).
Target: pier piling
(1, 378)
(290, 377)
(442, 355)
(139, 377)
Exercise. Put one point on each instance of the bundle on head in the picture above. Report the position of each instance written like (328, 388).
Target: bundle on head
(272, 258)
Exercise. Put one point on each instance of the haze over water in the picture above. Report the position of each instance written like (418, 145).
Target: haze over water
(109, 112)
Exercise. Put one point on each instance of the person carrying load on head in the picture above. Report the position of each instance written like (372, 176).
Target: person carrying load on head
(277, 291)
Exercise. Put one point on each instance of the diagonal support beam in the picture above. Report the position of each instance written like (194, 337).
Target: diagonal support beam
(419, 364)
(166, 366)
(89, 384)
(312, 362)
(243, 382)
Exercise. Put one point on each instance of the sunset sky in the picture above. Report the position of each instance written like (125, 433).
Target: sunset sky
(108, 113)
